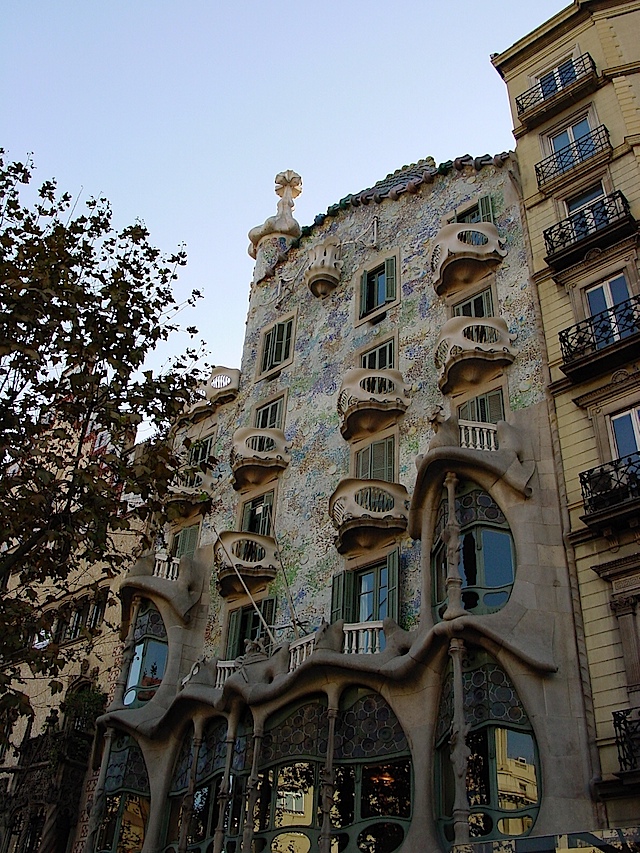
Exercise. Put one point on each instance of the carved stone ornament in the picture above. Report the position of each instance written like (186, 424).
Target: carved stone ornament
(288, 187)
(323, 271)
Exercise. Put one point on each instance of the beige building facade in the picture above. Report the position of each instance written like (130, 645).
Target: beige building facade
(574, 89)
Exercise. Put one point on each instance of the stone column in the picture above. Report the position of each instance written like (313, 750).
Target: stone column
(252, 791)
(225, 792)
(328, 781)
(99, 796)
(451, 537)
(127, 652)
(460, 752)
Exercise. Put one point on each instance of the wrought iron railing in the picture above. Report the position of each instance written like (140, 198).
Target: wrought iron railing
(626, 724)
(555, 82)
(577, 152)
(601, 330)
(611, 484)
(588, 220)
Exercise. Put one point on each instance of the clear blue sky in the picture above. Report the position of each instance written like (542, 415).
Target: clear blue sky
(181, 113)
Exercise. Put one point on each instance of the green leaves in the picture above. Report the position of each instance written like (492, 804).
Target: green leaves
(81, 307)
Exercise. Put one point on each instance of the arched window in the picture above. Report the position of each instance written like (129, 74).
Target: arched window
(486, 555)
(179, 786)
(503, 780)
(149, 658)
(127, 799)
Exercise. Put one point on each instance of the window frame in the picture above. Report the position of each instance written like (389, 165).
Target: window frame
(535, 78)
(273, 368)
(234, 638)
(577, 285)
(483, 203)
(364, 352)
(256, 496)
(486, 394)
(183, 532)
(267, 403)
(471, 297)
(388, 260)
(344, 594)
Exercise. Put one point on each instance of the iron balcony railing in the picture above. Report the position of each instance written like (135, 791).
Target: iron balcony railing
(601, 330)
(587, 221)
(556, 81)
(626, 724)
(611, 485)
(577, 152)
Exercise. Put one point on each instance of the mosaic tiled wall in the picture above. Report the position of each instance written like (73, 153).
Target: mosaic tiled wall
(326, 340)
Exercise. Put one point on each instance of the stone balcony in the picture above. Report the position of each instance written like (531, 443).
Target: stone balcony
(221, 387)
(249, 555)
(368, 513)
(469, 349)
(371, 400)
(257, 455)
(464, 252)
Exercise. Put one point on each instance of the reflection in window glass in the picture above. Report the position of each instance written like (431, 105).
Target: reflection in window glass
(294, 804)
(386, 790)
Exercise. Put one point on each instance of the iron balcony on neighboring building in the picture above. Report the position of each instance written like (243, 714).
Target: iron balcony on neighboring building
(574, 78)
(595, 226)
(602, 342)
(626, 724)
(611, 493)
(590, 148)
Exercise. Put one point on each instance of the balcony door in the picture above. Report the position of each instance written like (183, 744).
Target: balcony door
(612, 315)
(588, 212)
(626, 432)
(572, 145)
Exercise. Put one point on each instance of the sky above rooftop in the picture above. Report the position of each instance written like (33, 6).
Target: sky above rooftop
(182, 112)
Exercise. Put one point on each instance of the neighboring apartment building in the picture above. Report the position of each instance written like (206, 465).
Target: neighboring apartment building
(359, 631)
(574, 88)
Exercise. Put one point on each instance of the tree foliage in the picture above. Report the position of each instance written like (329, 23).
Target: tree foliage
(81, 307)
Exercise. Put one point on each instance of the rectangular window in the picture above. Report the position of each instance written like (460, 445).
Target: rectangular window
(367, 595)
(572, 145)
(558, 78)
(626, 432)
(377, 461)
(256, 515)
(480, 212)
(486, 408)
(587, 212)
(379, 358)
(378, 287)
(199, 455)
(245, 624)
(270, 416)
(480, 305)
(276, 346)
(186, 541)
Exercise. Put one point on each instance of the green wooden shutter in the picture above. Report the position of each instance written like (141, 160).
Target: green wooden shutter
(348, 597)
(288, 328)
(486, 208)
(268, 609)
(363, 463)
(187, 541)
(382, 459)
(390, 279)
(266, 351)
(266, 515)
(363, 294)
(233, 633)
(463, 411)
(487, 303)
(392, 581)
(495, 406)
(337, 596)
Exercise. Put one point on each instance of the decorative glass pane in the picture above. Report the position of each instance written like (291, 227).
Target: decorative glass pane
(211, 756)
(182, 769)
(381, 838)
(369, 729)
(302, 732)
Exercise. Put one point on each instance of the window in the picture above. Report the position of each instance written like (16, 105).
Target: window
(377, 287)
(127, 802)
(367, 595)
(587, 212)
(149, 658)
(480, 212)
(486, 408)
(558, 78)
(502, 770)
(626, 432)
(199, 457)
(480, 305)
(186, 541)
(381, 357)
(613, 316)
(257, 515)
(377, 461)
(75, 620)
(486, 552)
(270, 416)
(276, 346)
(572, 145)
(245, 624)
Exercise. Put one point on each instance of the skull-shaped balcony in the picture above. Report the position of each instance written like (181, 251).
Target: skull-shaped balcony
(244, 559)
(470, 350)
(221, 387)
(257, 456)
(368, 514)
(371, 400)
(463, 254)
